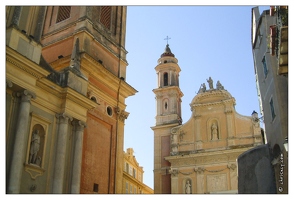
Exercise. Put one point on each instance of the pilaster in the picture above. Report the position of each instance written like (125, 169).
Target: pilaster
(18, 157)
(61, 152)
(77, 161)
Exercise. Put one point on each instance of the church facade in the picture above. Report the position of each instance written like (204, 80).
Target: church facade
(199, 156)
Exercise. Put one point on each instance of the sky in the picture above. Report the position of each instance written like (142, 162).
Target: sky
(208, 41)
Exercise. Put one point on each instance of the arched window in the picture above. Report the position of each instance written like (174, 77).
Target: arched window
(165, 79)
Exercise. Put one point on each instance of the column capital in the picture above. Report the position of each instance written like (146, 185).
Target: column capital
(122, 114)
(174, 172)
(63, 117)
(26, 95)
(9, 83)
(80, 125)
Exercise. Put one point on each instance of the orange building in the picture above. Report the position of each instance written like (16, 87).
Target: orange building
(70, 62)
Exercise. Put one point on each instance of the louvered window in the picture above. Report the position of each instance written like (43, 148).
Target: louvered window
(105, 16)
(63, 13)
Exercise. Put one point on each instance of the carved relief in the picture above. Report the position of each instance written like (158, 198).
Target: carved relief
(216, 182)
(122, 114)
(173, 172)
(232, 166)
(199, 170)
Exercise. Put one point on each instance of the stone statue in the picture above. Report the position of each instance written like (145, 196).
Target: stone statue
(188, 187)
(214, 134)
(35, 146)
(210, 82)
(219, 86)
(202, 88)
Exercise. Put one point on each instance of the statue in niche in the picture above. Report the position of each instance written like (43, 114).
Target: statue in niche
(219, 86)
(214, 132)
(34, 149)
(188, 187)
(210, 82)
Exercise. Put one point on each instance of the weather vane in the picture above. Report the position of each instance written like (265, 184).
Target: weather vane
(167, 38)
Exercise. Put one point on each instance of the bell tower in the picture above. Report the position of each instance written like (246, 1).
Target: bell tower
(168, 115)
(168, 93)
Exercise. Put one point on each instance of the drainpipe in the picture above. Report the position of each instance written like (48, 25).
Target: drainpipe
(117, 103)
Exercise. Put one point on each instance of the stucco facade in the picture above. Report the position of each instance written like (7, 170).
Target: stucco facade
(65, 99)
(133, 175)
(199, 156)
(269, 39)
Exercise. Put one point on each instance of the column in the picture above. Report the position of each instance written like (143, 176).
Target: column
(121, 117)
(77, 160)
(18, 156)
(174, 181)
(16, 15)
(60, 152)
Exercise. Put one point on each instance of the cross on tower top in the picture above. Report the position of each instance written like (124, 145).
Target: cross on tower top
(167, 38)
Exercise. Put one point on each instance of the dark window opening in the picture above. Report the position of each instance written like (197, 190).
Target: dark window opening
(165, 79)
(95, 187)
(265, 70)
(272, 109)
(105, 16)
(94, 99)
(109, 111)
(63, 13)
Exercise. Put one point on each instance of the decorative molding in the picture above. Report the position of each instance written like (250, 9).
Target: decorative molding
(122, 114)
(24, 66)
(232, 166)
(63, 116)
(34, 170)
(199, 170)
(9, 83)
(174, 172)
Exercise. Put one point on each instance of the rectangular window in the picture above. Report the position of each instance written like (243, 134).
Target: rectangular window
(139, 176)
(265, 70)
(105, 16)
(127, 187)
(63, 13)
(131, 171)
(134, 173)
(272, 109)
(127, 167)
(135, 190)
(95, 187)
(131, 189)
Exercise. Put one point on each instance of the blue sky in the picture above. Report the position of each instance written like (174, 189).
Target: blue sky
(208, 41)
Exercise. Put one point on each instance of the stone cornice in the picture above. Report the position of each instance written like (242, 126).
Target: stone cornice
(204, 158)
(168, 90)
(164, 126)
(168, 66)
(222, 102)
(61, 94)
(25, 64)
(100, 73)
